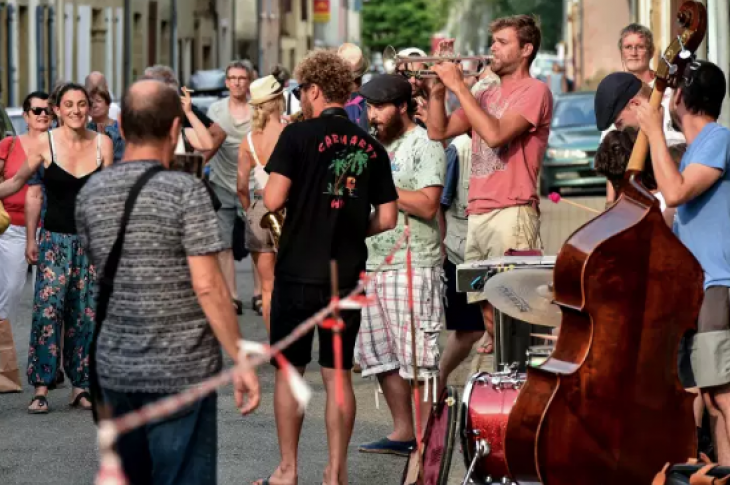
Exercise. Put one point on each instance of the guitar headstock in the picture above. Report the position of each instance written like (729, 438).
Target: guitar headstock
(692, 16)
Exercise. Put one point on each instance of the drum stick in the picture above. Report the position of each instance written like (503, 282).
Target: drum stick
(555, 197)
(552, 338)
(337, 338)
(414, 348)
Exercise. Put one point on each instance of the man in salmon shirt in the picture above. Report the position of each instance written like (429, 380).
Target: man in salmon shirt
(510, 124)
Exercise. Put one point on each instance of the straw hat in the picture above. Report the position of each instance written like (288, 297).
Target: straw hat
(355, 58)
(265, 89)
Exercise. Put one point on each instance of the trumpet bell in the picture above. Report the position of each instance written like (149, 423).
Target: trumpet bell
(390, 60)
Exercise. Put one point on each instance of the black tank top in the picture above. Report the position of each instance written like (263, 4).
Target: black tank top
(61, 191)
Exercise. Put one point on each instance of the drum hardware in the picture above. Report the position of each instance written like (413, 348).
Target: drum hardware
(481, 449)
(471, 277)
(537, 354)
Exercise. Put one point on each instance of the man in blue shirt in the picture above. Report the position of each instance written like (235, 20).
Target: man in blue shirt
(700, 190)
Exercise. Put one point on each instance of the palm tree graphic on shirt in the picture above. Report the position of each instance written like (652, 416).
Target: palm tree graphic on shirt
(346, 167)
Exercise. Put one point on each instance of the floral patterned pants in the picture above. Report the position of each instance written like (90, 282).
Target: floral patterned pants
(65, 300)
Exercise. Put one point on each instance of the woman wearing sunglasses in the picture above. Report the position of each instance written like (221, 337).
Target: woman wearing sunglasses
(66, 282)
(12, 242)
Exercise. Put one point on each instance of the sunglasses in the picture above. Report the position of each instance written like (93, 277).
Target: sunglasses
(297, 91)
(40, 111)
(689, 73)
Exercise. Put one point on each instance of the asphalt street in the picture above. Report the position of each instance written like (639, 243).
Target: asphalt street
(60, 448)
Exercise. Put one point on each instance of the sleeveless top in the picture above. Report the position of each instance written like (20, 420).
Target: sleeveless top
(61, 191)
(260, 177)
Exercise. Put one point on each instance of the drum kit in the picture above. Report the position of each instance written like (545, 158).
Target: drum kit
(521, 288)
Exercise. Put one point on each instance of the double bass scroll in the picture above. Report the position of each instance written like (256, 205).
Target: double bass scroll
(607, 407)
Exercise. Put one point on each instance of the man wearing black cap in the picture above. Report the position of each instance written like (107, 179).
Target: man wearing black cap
(384, 345)
(617, 98)
(700, 190)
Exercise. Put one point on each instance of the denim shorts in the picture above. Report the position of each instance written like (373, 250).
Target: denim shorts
(179, 450)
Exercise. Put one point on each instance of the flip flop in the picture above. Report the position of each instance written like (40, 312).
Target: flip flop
(486, 348)
(238, 304)
(257, 303)
(77, 401)
(42, 402)
(264, 481)
(386, 446)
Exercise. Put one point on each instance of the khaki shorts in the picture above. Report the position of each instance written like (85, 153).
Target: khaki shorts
(490, 235)
(709, 349)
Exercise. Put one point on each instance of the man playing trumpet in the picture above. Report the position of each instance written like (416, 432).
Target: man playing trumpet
(510, 124)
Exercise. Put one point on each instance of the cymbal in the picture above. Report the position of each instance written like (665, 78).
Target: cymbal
(526, 295)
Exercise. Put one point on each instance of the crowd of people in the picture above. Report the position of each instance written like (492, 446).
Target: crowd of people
(135, 286)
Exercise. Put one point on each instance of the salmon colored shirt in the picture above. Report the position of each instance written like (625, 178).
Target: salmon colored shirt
(15, 204)
(507, 176)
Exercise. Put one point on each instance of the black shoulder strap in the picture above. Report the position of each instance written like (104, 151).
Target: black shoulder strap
(106, 282)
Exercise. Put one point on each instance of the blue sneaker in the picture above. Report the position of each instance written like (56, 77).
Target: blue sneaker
(389, 447)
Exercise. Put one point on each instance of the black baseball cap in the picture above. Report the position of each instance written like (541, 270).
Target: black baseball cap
(387, 88)
(612, 96)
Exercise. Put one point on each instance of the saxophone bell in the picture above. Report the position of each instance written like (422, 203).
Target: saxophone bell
(274, 222)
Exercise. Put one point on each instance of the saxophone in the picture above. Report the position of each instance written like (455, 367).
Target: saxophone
(274, 222)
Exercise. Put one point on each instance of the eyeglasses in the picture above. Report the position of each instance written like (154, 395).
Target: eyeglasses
(689, 73)
(297, 91)
(237, 80)
(635, 48)
(39, 111)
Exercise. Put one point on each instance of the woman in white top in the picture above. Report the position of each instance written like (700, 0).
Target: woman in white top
(267, 100)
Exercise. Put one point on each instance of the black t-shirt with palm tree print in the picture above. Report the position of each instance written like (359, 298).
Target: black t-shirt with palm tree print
(338, 173)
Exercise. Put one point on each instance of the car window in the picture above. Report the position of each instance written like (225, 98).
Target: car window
(6, 127)
(574, 111)
(19, 124)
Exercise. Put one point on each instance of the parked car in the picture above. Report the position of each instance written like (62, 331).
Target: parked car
(16, 118)
(543, 65)
(572, 145)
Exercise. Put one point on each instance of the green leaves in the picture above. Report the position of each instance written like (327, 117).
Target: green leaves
(402, 23)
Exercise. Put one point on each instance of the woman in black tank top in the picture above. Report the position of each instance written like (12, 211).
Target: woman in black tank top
(65, 289)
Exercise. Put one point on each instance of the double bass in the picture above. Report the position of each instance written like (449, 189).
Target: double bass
(607, 408)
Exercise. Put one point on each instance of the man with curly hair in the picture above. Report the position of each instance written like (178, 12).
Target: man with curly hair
(335, 182)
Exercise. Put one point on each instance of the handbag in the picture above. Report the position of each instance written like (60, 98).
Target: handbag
(106, 287)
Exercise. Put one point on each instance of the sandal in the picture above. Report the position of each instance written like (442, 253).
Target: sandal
(42, 405)
(486, 348)
(238, 305)
(257, 303)
(77, 401)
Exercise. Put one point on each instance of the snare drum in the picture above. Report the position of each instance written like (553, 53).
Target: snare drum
(488, 400)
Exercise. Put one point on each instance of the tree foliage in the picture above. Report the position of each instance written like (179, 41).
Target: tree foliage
(402, 23)
(550, 13)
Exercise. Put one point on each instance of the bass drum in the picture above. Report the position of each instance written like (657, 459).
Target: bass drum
(438, 443)
(488, 400)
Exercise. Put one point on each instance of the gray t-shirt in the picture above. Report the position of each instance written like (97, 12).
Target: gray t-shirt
(224, 164)
(155, 337)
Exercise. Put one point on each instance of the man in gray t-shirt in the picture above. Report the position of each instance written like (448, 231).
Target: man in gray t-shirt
(169, 313)
(233, 114)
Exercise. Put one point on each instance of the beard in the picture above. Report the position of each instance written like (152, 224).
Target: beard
(388, 131)
(307, 109)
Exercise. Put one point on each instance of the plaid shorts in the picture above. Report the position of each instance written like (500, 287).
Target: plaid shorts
(384, 342)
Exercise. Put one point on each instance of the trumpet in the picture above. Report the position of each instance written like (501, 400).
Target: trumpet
(274, 222)
(391, 61)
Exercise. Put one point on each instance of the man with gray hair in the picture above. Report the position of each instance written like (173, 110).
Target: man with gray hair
(166, 75)
(162, 313)
(233, 115)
